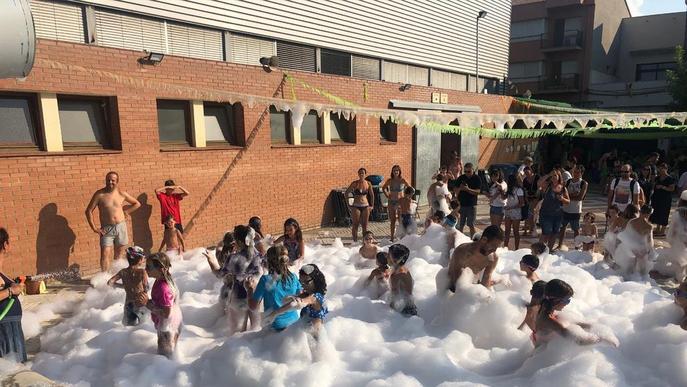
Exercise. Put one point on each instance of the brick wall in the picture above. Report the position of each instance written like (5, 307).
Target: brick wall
(44, 195)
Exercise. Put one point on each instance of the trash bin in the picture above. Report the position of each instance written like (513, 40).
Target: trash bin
(378, 213)
(342, 213)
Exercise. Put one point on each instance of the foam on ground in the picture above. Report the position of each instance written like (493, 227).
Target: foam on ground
(470, 338)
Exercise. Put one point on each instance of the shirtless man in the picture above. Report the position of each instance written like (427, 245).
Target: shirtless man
(110, 202)
(478, 256)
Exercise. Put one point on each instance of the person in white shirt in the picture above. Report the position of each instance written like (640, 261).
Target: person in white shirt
(623, 190)
(497, 197)
(527, 162)
(577, 190)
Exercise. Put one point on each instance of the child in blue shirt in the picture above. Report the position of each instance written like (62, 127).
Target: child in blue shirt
(276, 286)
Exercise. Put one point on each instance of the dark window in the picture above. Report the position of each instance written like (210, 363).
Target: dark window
(221, 123)
(335, 62)
(366, 68)
(173, 122)
(342, 130)
(296, 57)
(18, 121)
(387, 130)
(280, 122)
(654, 71)
(84, 121)
(311, 128)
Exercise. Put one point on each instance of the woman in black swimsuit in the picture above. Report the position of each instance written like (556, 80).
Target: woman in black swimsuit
(363, 197)
(393, 189)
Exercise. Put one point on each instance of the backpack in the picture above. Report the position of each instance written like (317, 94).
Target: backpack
(640, 200)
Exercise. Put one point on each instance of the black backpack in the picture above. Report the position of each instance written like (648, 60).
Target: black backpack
(633, 182)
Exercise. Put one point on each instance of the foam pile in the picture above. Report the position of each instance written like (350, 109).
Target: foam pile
(470, 337)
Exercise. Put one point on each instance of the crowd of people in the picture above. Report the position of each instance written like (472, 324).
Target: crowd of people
(261, 290)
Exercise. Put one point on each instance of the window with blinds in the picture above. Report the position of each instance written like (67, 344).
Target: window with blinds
(58, 21)
(395, 72)
(448, 80)
(418, 75)
(194, 42)
(248, 49)
(366, 68)
(296, 56)
(129, 32)
(335, 62)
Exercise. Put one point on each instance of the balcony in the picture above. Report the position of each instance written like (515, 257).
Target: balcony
(568, 40)
(547, 84)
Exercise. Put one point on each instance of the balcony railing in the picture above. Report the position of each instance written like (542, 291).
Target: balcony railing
(548, 83)
(569, 39)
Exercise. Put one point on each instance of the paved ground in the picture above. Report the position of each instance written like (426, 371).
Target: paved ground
(594, 202)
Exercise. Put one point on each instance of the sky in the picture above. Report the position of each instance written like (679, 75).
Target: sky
(650, 7)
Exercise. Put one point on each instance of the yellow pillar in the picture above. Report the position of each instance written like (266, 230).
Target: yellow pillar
(326, 128)
(50, 120)
(198, 124)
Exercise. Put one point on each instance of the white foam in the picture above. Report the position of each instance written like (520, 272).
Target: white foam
(467, 338)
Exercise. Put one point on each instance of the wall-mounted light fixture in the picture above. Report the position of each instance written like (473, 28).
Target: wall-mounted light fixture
(269, 62)
(404, 87)
(151, 58)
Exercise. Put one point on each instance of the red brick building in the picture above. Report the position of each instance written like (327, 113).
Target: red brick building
(44, 193)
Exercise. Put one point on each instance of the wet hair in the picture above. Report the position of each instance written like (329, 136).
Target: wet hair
(168, 218)
(512, 183)
(399, 171)
(440, 177)
(362, 170)
(531, 261)
(293, 222)
(454, 204)
(399, 253)
(554, 292)
(591, 215)
(439, 216)
(382, 260)
(631, 211)
(134, 255)
(537, 292)
(319, 281)
(538, 248)
(409, 191)
(278, 262)
(161, 261)
(240, 234)
(366, 233)
(646, 209)
(4, 238)
(450, 220)
(492, 232)
(227, 247)
(256, 224)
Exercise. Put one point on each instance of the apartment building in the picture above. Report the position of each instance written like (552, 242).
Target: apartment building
(140, 87)
(592, 53)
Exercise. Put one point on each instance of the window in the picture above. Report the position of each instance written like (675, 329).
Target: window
(335, 62)
(366, 68)
(249, 49)
(58, 20)
(173, 122)
(342, 130)
(18, 121)
(128, 31)
(311, 128)
(524, 70)
(296, 56)
(654, 71)
(84, 121)
(194, 42)
(280, 123)
(387, 130)
(527, 30)
(221, 123)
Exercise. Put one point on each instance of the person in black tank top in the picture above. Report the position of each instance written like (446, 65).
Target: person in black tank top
(11, 335)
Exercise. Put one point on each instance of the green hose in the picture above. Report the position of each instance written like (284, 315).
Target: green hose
(7, 309)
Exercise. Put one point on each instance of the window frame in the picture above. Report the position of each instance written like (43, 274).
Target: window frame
(639, 71)
(324, 52)
(350, 136)
(188, 124)
(34, 115)
(235, 120)
(319, 122)
(108, 121)
(392, 139)
(288, 129)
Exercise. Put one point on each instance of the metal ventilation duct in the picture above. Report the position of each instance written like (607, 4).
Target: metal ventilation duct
(18, 39)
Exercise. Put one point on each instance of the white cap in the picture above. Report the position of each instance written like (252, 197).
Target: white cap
(683, 196)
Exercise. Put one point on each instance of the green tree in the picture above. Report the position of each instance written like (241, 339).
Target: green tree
(677, 80)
